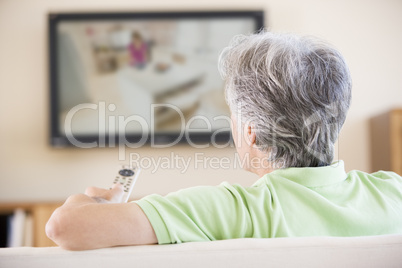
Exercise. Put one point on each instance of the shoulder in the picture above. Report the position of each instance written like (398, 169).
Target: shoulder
(385, 182)
(387, 175)
(378, 175)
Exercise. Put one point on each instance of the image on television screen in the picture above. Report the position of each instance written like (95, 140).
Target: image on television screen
(143, 77)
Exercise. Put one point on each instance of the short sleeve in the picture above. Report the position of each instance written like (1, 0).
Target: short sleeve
(203, 213)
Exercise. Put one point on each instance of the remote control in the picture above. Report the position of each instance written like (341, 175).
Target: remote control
(127, 176)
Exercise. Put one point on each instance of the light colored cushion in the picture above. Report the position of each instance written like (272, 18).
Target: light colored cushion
(374, 251)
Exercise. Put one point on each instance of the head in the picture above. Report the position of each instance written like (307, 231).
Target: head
(136, 37)
(288, 94)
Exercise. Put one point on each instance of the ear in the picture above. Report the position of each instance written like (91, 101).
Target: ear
(251, 135)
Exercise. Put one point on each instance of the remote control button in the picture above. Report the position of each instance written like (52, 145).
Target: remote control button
(126, 172)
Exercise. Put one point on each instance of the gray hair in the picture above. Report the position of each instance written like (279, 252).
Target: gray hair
(295, 90)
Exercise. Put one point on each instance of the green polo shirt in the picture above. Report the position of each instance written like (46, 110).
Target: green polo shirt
(321, 201)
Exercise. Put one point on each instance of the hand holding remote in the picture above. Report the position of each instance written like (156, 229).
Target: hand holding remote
(112, 195)
(123, 185)
(127, 176)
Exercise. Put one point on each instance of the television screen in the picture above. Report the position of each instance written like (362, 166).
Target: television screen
(140, 77)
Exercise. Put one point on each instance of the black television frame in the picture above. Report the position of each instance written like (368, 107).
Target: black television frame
(58, 139)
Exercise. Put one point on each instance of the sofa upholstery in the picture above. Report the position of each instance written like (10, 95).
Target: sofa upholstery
(371, 251)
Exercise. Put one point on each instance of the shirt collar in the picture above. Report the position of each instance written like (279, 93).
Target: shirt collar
(313, 176)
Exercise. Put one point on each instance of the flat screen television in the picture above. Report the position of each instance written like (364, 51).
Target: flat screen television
(138, 78)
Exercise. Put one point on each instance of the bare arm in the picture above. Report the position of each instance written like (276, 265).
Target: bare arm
(95, 220)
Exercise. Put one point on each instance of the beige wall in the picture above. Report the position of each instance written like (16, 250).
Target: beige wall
(368, 33)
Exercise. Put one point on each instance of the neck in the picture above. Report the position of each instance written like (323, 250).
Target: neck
(262, 166)
(262, 172)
